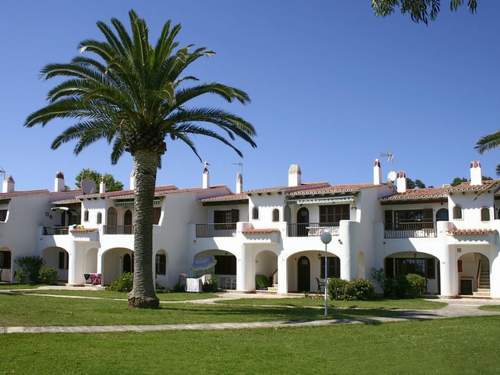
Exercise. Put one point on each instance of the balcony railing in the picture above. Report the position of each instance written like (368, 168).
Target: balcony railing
(118, 229)
(215, 230)
(413, 230)
(52, 231)
(312, 229)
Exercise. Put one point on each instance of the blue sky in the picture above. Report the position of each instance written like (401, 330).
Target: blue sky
(332, 87)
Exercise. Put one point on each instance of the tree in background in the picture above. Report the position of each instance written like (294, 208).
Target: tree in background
(419, 10)
(91, 174)
(489, 142)
(136, 96)
(410, 184)
(459, 180)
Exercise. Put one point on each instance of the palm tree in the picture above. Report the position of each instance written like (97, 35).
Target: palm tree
(489, 142)
(134, 95)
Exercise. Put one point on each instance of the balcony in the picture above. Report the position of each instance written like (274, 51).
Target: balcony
(118, 229)
(312, 229)
(54, 231)
(215, 230)
(412, 230)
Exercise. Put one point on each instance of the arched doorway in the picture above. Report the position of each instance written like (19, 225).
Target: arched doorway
(403, 263)
(303, 274)
(111, 221)
(127, 222)
(57, 258)
(442, 214)
(474, 275)
(266, 269)
(5, 265)
(302, 221)
(114, 262)
(220, 263)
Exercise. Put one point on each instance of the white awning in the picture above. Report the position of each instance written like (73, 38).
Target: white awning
(329, 200)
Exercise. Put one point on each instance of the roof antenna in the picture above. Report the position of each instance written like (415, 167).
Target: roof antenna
(389, 156)
(2, 172)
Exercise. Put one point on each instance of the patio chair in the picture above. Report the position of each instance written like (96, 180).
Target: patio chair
(321, 285)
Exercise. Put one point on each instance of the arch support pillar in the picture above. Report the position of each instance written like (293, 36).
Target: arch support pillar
(449, 272)
(282, 274)
(245, 270)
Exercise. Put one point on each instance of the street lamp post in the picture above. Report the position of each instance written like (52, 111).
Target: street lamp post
(326, 238)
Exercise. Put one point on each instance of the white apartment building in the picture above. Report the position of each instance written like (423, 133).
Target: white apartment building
(447, 234)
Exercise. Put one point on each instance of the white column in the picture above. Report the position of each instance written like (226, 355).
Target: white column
(74, 277)
(495, 275)
(282, 274)
(449, 272)
(245, 270)
(346, 261)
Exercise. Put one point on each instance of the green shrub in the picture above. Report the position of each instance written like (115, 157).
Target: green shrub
(178, 287)
(337, 288)
(210, 285)
(417, 285)
(262, 282)
(47, 275)
(360, 289)
(123, 284)
(28, 269)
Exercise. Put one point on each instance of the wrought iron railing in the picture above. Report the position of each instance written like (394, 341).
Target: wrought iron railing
(118, 229)
(215, 230)
(413, 230)
(57, 230)
(312, 229)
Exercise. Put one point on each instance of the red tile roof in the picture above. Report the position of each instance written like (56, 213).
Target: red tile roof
(470, 232)
(226, 198)
(442, 193)
(15, 194)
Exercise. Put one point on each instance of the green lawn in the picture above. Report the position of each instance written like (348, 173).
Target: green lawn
(35, 310)
(173, 296)
(490, 307)
(430, 347)
(410, 304)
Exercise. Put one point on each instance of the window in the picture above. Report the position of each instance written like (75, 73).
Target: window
(457, 213)
(276, 215)
(5, 260)
(86, 215)
(255, 213)
(442, 215)
(331, 215)
(99, 218)
(333, 265)
(226, 219)
(63, 260)
(413, 219)
(161, 264)
(3, 215)
(485, 214)
(156, 215)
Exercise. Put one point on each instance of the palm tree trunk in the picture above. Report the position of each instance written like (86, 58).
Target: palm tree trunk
(143, 292)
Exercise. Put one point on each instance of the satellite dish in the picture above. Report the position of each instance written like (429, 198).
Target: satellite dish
(88, 186)
(391, 176)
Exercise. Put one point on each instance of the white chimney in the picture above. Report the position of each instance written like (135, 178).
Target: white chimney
(294, 175)
(377, 172)
(132, 180)
(59, 182)
(102, 186)
(206, 177)
(8, 184)
(401, 182)
(239, 183)
(476, 176)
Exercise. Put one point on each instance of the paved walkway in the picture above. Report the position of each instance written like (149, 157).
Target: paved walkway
(456, 308)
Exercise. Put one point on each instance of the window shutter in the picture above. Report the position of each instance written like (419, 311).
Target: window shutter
(388, 220)
(427, 215)
(235, 216)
